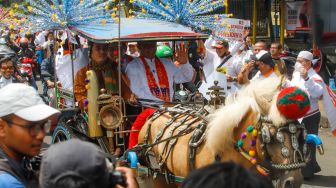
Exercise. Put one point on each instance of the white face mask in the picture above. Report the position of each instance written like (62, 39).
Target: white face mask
(298, 66)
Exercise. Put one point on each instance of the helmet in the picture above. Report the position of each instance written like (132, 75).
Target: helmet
(24, 42)
(164, 51)
(6, 51)
(6, 58)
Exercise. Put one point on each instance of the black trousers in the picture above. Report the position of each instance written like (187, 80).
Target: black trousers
(312, 125)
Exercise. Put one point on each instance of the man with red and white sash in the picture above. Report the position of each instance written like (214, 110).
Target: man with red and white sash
(153, 78)
(307, 79)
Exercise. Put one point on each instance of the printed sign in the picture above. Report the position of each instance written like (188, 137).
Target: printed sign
(298, 16)
(231, 28)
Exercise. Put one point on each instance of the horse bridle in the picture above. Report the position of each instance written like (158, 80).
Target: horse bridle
(263, 134)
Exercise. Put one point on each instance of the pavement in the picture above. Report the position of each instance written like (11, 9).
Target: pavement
(327, 162)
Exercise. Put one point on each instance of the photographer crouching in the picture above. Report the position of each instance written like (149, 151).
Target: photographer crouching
(79, 164)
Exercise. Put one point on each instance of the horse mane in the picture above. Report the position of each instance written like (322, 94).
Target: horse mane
(224, 120)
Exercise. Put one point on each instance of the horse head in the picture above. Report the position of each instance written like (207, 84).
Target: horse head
(264, 139)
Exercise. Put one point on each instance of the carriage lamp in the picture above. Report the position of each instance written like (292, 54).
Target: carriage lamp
(110, 117)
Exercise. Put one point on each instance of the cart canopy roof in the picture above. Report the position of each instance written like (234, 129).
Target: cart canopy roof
(133, 29)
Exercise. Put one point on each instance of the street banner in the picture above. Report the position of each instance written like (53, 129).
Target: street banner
(231, 29)
(298, 16)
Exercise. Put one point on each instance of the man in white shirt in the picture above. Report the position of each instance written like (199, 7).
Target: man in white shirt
(307, 79)
(263, 62)
(40, 38)
(153, 78)
(219, 65)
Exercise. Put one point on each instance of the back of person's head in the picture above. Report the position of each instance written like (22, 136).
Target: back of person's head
(74, 164)
(225, 175)
(71, 182)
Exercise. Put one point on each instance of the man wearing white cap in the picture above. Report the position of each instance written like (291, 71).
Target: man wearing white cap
(306, 78)
(24, 121)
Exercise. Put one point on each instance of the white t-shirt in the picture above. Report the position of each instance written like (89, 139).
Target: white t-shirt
(4, 81)
(259, 76)
(210, 64)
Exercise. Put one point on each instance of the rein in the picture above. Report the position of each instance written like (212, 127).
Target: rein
(182, 123)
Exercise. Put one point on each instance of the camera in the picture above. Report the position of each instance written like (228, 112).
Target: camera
(117, 178)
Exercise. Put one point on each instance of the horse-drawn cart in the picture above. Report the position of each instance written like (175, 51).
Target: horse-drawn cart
(178, 139)
(90, 124)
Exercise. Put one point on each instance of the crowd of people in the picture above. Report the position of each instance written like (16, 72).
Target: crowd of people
(150, 72)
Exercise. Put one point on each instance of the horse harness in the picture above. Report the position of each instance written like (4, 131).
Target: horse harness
(262, 131)
(183, 120)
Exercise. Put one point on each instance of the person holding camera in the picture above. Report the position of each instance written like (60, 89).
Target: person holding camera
(24, 121)
(49, 45)
(79, 164)
(263, 62)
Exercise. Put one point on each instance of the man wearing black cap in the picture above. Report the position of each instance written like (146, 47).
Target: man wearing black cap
(263, 62)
